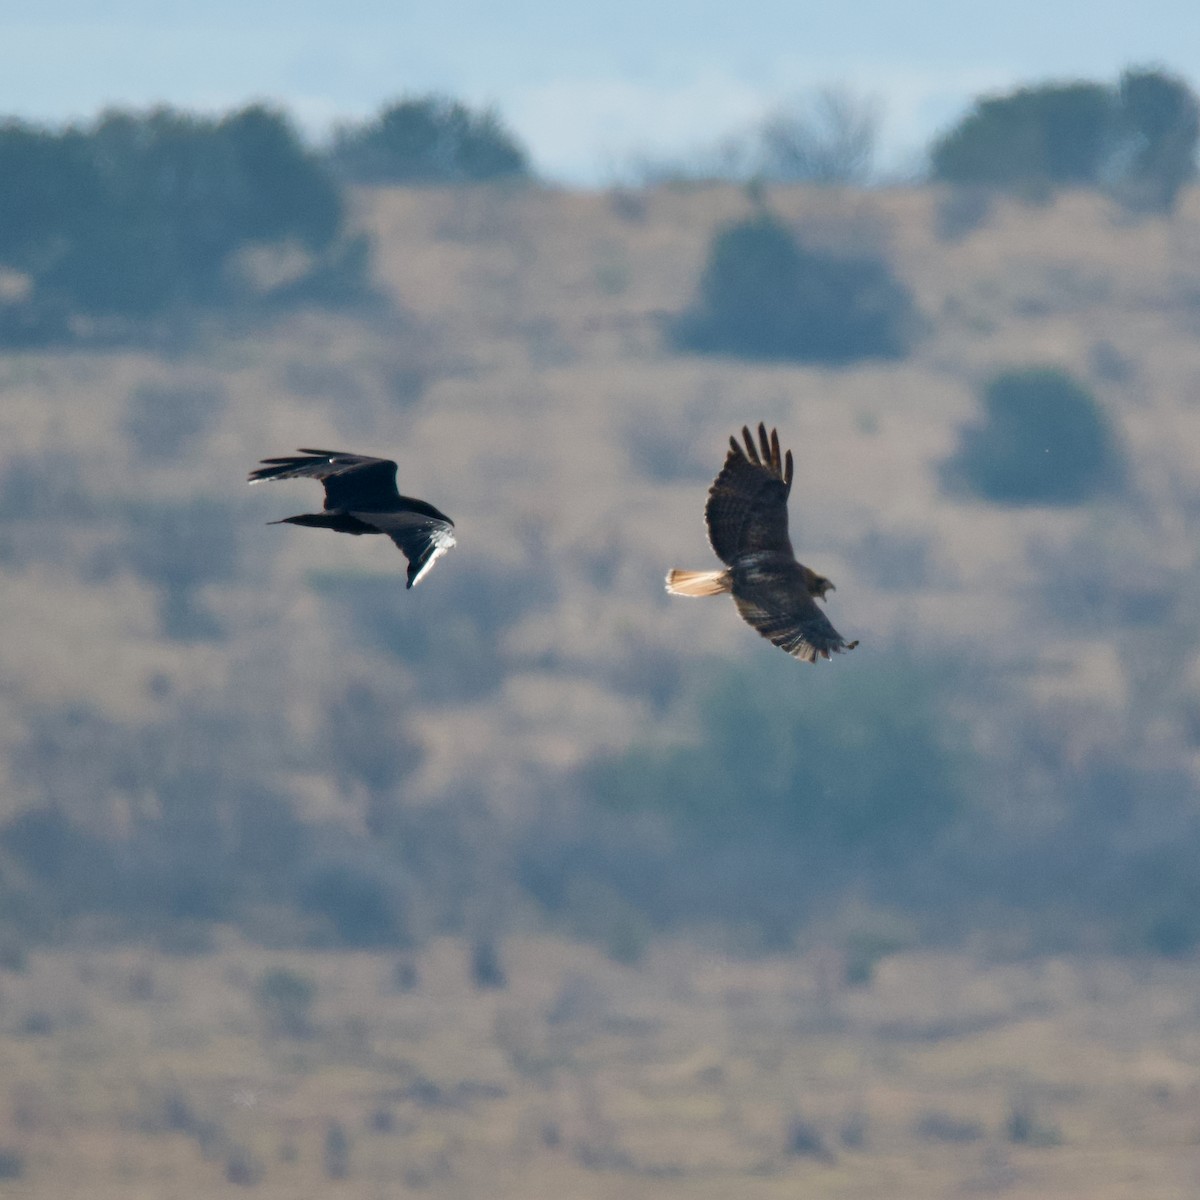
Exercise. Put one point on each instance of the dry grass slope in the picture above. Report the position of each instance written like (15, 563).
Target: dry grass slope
(524, 386)
(128, 1074)
(526, 389)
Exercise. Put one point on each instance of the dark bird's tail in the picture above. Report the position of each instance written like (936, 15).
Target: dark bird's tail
(698, 583)
(339, 522)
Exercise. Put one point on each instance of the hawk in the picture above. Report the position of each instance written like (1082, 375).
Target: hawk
(361, 497)
(746, 515)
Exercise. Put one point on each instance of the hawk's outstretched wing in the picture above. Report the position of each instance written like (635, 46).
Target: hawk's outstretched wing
(791, 621)
(746, 511)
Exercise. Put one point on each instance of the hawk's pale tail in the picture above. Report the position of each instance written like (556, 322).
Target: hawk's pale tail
(698, 583)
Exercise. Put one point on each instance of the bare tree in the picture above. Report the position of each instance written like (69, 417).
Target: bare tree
(829, 136)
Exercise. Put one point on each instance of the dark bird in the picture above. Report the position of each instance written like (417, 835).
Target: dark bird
(746, 515)
(361, 497)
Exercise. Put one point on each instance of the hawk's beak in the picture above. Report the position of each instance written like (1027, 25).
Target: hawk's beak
(831, 588)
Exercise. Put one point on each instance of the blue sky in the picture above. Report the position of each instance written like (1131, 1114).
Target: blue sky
(586, 87)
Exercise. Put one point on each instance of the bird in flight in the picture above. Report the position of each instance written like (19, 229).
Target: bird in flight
(361, 497)
(746, 516)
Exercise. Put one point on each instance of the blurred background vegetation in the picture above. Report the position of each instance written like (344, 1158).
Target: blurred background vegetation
(162, 274)
(224, 743)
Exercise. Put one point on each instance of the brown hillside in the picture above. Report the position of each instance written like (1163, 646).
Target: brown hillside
(525, 386)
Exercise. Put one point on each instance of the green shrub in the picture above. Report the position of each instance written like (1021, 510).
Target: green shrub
(1160, 119)
(178, 195)
(1137, 139)
(961, 211)
(285, 999)
(804, 1140)
(1052, 133)
(487, 970)
(1025, 1126)
(764, 295)
(429, 139)
(335, 1155)
(1155, 899)
(359, 906)
(242, 1167)
(142, 214)
(46, 842)
(1043, 440)
(865, 764)
(48, 181)
(864, 950)
(937, 1126)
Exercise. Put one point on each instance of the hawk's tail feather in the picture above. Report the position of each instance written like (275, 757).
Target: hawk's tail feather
(698, 583)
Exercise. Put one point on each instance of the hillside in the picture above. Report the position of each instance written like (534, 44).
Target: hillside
(133, 1074)
(156, 628)
(264, 810)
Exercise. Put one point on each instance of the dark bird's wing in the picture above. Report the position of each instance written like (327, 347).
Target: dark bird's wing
(422, 538)
(352, 481)
(790, 620)
(746, 511)
(361, 497)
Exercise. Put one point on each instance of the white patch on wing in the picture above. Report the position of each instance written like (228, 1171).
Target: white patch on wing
(442, 540)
